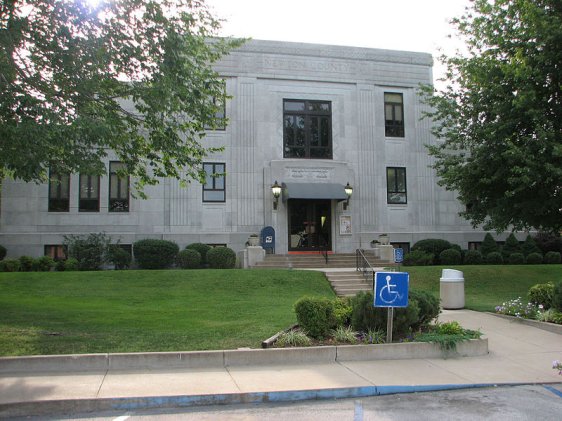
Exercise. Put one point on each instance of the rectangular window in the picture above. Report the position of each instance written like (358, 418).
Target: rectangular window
(393, 114)
(56, 251)
(59, 192)
(307, 129)
(396, 185)
(220, 116)
(89, 198)
(214, 189)
(118, 188)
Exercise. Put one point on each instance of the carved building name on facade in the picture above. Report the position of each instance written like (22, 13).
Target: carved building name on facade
(298, 173)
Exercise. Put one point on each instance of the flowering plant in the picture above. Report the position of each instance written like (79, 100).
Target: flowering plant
(518, 308)
(557, 365)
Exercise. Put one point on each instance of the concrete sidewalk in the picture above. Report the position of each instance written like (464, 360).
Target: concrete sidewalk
(517, 354)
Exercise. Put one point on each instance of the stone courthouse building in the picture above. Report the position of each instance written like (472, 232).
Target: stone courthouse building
(314, 119)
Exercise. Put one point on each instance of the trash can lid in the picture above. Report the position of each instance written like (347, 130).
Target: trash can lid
(451, 274)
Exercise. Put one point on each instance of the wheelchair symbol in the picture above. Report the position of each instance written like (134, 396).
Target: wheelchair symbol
(388, 294)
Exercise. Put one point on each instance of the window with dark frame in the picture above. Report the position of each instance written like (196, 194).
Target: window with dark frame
(89, 196)
(55, 251)
(220, 116)
(307, 129)
(59, 192)
(393, 114)
(118, 188)
(214, 189)
(396, 185)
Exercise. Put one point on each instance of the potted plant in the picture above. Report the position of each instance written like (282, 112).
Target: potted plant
(384, 239)
(253, 240)
(375, 243)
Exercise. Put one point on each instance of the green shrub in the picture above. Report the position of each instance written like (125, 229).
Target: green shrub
(342, 311)
(494, 258)
(90, 250)
(71, 264)
(450, 257)
(26, 263)
(534, 259)
(547, 241)
(418, 258)
(43, 264)
(516, 259)
(511, 246)
(3, 252)
(530, 246)
(155, 254)
(293, 337)
(473, 257)
(120, 258)
(10, 265)
(433, 246)
(428, 306)
(365, 317)
(449, 328)
(557, 297)
(542, 294)
(202, 249)
(552, 257)
(189, 259)
(489, 245)
(316, 315)
(221, 258)
(60, 266)
(345, 334)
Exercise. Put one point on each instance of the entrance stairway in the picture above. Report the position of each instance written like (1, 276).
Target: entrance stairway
(340, 269)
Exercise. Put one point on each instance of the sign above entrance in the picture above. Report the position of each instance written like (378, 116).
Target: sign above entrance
(302, 173)
(314, 191)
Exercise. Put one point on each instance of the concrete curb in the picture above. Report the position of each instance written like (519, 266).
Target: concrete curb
(549, 327)
(58, 407)
(233, 358)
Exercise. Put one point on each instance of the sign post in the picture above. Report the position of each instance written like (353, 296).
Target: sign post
(391, 290)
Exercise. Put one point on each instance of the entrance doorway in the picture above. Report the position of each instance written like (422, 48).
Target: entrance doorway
(310, 225)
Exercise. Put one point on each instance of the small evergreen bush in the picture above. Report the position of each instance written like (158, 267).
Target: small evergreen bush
(90, 250)
(43, 264)
(494, 258)
(316, 315)
(189, 259)
(155, 254)
(428, 306)
(511, 246)
(530, 246)
(120, 258)
(418, 258)
(557, 297)
(473, 257)
(202, 249)
(3, 252)
(542, 294)
(10, 265)
(534, 259)
(26, 263)
(433, 246)
(516, 259)
(489, 245)
(342, 310)
(71, 264)
(450, 257)
(552, 257)
(221, 258)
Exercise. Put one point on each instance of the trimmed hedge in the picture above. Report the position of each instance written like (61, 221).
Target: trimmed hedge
(450, 257)
(516, 259)
(43, 264)
(433, 246)
(202, 249)
(552, 257)
(316, 315)
(494, 258)
(221, 258)
(473, 257)
(418, 258)
(534, 259)
(3, 252)
(189, 259)
(26, 263)
(542, 294)
(155, 254)
(9, 265)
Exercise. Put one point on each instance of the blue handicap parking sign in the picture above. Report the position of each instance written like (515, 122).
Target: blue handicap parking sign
(391, 289)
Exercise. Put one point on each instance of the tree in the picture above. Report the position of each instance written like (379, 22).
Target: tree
(511, 246)
(500, 116)
(130, 76)
(530, 246)
(489, 245)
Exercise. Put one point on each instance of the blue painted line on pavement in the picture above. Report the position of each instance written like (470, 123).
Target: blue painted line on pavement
(553, 390)
(286, 396)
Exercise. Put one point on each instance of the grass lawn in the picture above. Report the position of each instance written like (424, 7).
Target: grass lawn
(133, 311)
(489, 285)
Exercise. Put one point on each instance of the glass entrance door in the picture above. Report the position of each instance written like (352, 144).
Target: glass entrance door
(310, 226)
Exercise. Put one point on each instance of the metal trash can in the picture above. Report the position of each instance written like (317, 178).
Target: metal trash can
(451, 289)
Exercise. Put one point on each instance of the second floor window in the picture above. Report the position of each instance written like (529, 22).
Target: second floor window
(89, 193)
(307, 129)
(393, 115)
(214, 189)
(396, 185)
(118, 188)
(59, 192)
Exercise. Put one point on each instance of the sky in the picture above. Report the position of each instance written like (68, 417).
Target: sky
(408, 25)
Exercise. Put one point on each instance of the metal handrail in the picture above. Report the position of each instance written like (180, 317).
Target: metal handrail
(362, 264)
(324, 250)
